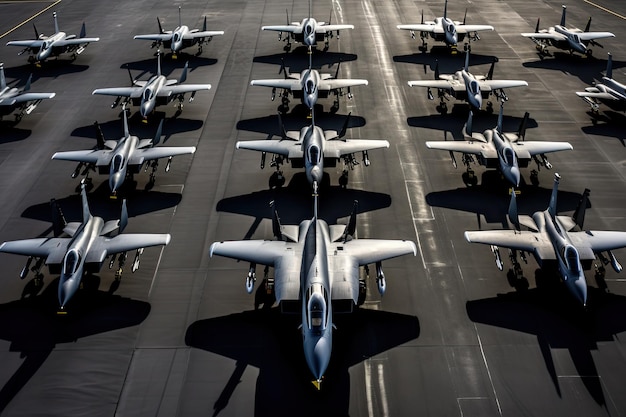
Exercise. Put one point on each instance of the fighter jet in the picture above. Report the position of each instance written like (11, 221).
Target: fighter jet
(84, 251)
(181, 37)
(123, 158)
(553, 243)
(497, 149)
(609, 92)
(317, 266)
(466, 86)
(309, 85)
(313, 148)
(156, 91)
(15, 99)
(43, 47)
(443, 29)
(308, 32)
(572, 39)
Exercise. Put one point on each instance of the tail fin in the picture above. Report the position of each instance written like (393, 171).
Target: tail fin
(466, 68)
(555, 191)
(86, 211)
(204, 25)
(157, 135)
(500, 117)
(83, 31)
(123, 217)
(3, 80)
(350, 230)
(422, 16)
(344, 128)
(276, 226)
(579, 214)
(310, 8)
(468, 125)
(445, 9)
(588, 25)
(99, 135)
(513, 215)
(158, 63)
(537, 27)
(609, 67)
(563, 15)
(521, 133)
(287, 12)
(27, 86)
(126, 132)
(465, 16)
(58, 219)
(180, 19)
(56, 23)
(183, 76)
(281, 127)
(160, 27)
(36, 32)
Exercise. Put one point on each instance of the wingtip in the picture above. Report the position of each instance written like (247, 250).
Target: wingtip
(467, 237)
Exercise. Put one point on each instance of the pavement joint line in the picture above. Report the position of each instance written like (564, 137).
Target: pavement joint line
(30, 18)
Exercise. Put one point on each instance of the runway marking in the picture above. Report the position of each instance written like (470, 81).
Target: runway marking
(605, 9)
(156, 270)
(482, 353)
(30, 18)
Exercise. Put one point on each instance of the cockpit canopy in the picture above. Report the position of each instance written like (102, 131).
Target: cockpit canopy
(451, 28)
(571, 258)
(147, 95)
(71, 262)
(176, 37)
(309, 87)
(474, 88)
(509, 156)
(118, 163)
(314, 155)
(308, 29)
(317, 311)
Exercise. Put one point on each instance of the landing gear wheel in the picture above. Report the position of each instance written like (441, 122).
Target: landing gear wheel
(277, 180)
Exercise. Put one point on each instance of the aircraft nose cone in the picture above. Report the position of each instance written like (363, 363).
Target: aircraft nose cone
(476, 101)
(315, 175)
(514, 176)
(67, 287)
(451, 38)
(145, 110)
(115, 182)
(580, 290)
(317, 353)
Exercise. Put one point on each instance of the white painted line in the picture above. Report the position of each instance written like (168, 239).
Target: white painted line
(30, 18)
(605, 9)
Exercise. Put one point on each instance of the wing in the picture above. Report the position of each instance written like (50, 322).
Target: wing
(420, 27)
(90, 157)
(168, 90)
(368, 251)
(524, 240)
(264, 252)
(498, 84)
(596, 94)
(328, 28)
(75, 41)
(475, 148)
(161, 37)
(472, 28)
(141, 155)
(547, 35)
(132, 92)
(338, 148)
(288, 84)
(32, 97)
(28, 44)
(442, 84)
(284, 28)
(205, 34)
(334, 84)
(598, 241)
(288, 148)
(131, 241)
(535, 148)
(40, 247)
(588, 36)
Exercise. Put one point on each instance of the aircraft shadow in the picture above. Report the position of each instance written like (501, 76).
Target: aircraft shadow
(34, 329)
(49, 69)
(612, 126)
(492, 201)
(195, 61)
(587, 70)
(448, 63)
(270, 342)
(559, 322)
(269, 125)
(143, 69)
(101, 205)
(10, 133)
(293, 205)
(298, 60)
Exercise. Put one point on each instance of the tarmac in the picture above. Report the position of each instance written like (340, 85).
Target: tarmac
(452, 336)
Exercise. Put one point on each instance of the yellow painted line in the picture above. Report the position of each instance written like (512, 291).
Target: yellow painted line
(605, 9)
(30, 18)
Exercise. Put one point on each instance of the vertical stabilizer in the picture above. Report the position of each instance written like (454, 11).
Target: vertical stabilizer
(27, 86)
(3, 81)
(183, 76)
(36, 32)
(521, 133)
(86, 211)
(513, 214)
(500, 117)
(123, 216)
(579, 214)
(310, 9)
(436, 69)
(588, 25)
(83, 31)
(157, 135)
(445, 9)
(56, 23)
(58, 219)
(537, 27)
(466, 67)
(609, 66)
(468, 125)
(160, 27)
(465, 16)
(180, 19)
(276, 226)
(563, 15)
(555, 191)
(204, 25)
(344, 128)
(281, 127)
(100, 135)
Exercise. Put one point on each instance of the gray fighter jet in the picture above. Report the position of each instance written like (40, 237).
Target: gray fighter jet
(497, 149)
(157, 91)
(43, 47)
(308, 32)
(568, 39)
(181, 37)
(446, 30)
(309, 85)
(553, 243)
(313, 148)
(84, 251)
(317, 266)
(15, 99)
(466, 86)
(124, 157)
(609, 92)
